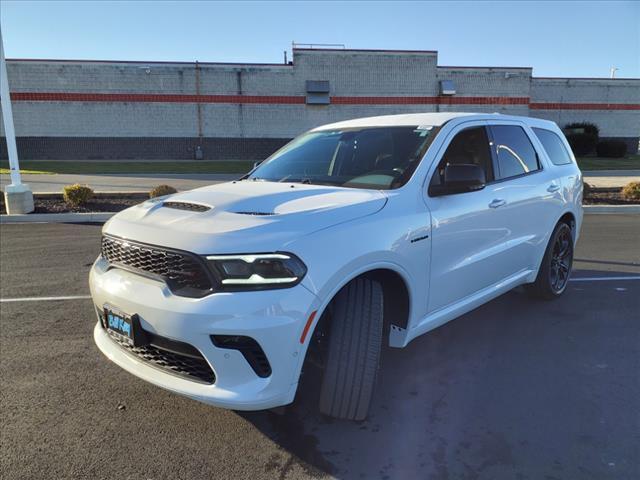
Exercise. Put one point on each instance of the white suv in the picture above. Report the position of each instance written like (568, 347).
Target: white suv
(357, 233)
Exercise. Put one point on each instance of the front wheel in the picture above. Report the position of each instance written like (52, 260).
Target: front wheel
(555, 270)
(355, 341)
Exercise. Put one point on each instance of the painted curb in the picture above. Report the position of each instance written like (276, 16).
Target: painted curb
(99, 217)
(600, 209)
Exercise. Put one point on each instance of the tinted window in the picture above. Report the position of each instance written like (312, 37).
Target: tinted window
(380, 157)
(470, 146)
(553, 145)
(514, 151)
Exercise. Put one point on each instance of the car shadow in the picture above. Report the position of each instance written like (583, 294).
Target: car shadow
(492, 394)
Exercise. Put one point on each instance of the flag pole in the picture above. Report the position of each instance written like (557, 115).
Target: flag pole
(17, 195)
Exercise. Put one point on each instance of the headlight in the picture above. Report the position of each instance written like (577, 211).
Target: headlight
(257, 271)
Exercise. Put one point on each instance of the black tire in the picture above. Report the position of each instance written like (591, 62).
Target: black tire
(555, 270)
(353, 355)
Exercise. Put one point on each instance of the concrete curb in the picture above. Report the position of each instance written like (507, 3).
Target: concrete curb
(99, 195)
(98, 217)
(600, 209)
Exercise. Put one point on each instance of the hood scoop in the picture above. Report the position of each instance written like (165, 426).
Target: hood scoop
(191, 207)
(256, 214)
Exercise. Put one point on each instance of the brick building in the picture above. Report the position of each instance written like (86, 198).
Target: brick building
(124, 110)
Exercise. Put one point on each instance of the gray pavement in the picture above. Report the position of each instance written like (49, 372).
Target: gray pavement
(517, 389)
(120, 182)
(143, 182)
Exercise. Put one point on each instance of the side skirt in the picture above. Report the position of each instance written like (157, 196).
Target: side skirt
(400, 337)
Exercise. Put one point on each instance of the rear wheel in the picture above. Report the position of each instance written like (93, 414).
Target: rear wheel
(353, 350)
(554, 272)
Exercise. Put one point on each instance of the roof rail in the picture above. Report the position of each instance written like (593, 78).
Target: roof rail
(318, 45)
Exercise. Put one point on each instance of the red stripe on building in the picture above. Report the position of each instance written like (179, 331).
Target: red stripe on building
(300, 100)
(263, 99)
(583, 106)
(153, 98)
(432, 100)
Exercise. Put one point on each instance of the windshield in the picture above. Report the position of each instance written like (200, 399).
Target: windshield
(380, 158)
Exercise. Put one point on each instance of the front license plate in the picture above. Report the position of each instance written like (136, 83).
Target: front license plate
(125, 327)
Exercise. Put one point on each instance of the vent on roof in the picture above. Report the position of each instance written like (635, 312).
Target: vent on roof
(318, 92)
(447, 87)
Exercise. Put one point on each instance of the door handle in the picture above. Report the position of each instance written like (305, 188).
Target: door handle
(553, 188)
(498, 202)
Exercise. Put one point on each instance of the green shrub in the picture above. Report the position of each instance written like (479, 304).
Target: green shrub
(586, 188)
(582, 136)
(631, 191)
(161, 191)
(76, 195)
(611, 148)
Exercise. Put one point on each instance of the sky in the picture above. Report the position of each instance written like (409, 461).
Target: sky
(575, 38)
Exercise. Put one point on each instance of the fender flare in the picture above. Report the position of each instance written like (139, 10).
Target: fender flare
(547, 238)
(326, 299)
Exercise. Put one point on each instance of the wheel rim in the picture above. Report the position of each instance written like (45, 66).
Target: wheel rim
(561, 257)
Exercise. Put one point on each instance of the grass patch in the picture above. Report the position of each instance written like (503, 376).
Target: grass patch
(630, 162)
(91, 168)
(25, 172)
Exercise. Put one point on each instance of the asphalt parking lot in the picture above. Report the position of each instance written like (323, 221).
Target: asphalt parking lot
(517, 389)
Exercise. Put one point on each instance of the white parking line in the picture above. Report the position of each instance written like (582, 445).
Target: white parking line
(601, 279)
(44, 299)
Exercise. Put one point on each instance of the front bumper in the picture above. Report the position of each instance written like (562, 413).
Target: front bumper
(275, 319)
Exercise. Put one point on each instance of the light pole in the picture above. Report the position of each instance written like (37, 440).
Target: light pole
(17, 196)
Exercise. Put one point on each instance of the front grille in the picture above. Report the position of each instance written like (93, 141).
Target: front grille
(192, 207)
(185, 273)
(192, 366)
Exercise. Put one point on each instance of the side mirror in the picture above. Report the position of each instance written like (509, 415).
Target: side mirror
(460, 178)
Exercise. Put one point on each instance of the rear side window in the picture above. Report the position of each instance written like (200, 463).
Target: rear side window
(553, 145)
(514, 151)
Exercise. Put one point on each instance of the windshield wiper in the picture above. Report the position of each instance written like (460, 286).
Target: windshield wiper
(308, 181)
(305, 180)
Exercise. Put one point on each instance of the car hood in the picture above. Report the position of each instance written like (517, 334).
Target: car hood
(242, 216)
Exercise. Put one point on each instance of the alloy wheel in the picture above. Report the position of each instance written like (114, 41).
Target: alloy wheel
(561, 257)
